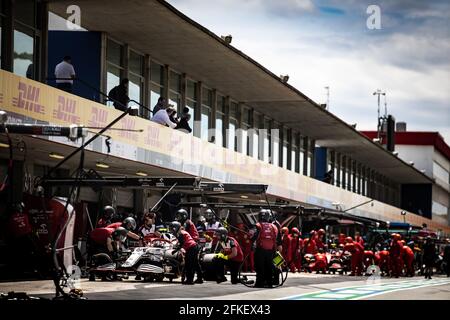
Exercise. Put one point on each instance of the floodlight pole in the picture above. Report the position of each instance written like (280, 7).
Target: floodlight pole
(379, 93)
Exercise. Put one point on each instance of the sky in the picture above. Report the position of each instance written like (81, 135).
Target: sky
(326, 43)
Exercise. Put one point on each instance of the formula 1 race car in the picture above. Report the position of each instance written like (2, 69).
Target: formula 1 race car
(308, 262)
(104, 266)
(339, 263)
(155, 260)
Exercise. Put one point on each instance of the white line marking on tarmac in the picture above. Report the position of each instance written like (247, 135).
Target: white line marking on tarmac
(367, 291)
(406, 288)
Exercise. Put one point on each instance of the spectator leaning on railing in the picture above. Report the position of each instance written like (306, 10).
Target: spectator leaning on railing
(119, 95)
(173, 115)
(183, 124)
(163, 117)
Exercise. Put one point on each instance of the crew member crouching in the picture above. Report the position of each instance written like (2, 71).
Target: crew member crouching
(230, 255)
(106, 219)
(98, 237)
(109, 240)
(129, 224)
(408, 259)
(321, 262)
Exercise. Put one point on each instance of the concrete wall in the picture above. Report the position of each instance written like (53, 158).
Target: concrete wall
(441, 191)
(442, 198)
(444, 163)
(422, 156)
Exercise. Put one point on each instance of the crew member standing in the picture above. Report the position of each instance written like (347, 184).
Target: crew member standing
(361, 249)
(296, 251)
(341, 238)
(276, 270)
(395, 255)
(408, 259)
(182, 217)
(230, 254)
(246, 245)
(320, 239)
(190, 247)
(357, 256)
(310, 246)
(359, 239)
(279, 235)
(429, 257)
(266, 243)
(447, 258)
(286, 245)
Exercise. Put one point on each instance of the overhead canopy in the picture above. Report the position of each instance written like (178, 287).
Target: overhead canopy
(156, 28)
(326, 213)
(194, 185)
(293, 210)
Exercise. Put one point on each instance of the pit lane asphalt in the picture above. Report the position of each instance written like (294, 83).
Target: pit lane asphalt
(296, 285)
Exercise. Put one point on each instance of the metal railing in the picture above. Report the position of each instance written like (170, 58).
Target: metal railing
(90, 86)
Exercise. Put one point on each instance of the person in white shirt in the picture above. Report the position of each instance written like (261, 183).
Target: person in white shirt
(64, 73)
(149, 225)
(212, 223)
(163, 117)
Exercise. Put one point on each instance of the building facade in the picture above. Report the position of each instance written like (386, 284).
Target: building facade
(429, 153)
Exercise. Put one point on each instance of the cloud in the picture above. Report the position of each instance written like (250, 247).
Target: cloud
(417, 9)
(428, 13)
(277, 7)
(285, 5)
(291, 6)
(412, 51)
(408, 58)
